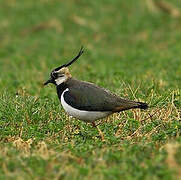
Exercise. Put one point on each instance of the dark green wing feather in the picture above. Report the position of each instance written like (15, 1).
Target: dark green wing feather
(89, 97)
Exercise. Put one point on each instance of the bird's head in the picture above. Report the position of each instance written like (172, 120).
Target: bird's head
(62, 74)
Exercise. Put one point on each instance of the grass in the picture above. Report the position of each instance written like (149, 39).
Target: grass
(129, 50)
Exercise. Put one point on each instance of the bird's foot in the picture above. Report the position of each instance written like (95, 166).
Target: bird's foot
(100, 132)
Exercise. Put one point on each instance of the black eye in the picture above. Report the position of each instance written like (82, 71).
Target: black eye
(61, 75)
(54, 75)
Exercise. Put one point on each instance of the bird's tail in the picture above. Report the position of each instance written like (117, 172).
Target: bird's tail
(128, 104)
(142, 105)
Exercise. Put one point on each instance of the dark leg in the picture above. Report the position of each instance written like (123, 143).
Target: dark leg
(100, 132)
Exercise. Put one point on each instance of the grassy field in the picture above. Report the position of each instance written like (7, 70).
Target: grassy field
(131, 48)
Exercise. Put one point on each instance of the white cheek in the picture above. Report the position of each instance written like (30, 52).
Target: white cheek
(60, 80)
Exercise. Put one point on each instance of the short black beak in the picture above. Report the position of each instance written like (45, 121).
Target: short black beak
(47, 82)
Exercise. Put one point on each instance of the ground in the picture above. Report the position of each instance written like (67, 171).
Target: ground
(132, 48)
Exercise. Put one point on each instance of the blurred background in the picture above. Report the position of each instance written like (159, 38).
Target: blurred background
(133, 41)
(132, 47)
(137, 42)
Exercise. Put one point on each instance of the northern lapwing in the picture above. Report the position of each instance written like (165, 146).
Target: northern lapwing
(84, 100)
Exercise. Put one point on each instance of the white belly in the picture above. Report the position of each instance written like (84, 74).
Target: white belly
(88, 116)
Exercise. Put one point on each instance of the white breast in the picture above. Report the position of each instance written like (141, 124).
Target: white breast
(87, 116)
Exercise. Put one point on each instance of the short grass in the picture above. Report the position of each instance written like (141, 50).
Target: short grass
(129, 49)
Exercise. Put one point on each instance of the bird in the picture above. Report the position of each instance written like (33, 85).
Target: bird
(84, 100)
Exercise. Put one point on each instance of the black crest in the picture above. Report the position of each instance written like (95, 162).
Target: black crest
(72, 61)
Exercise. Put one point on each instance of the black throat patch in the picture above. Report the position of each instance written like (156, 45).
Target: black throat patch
(60, 89)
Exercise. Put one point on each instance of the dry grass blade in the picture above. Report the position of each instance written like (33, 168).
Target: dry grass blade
(160, 5)
(23, 146)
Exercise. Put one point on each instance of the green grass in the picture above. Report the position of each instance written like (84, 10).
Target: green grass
(129, 50)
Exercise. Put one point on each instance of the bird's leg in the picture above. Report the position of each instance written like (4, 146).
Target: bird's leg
(93, 124)
(100, 132)
(68, 124)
